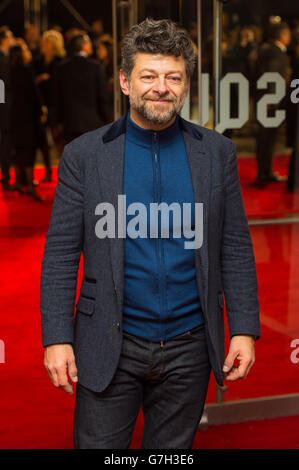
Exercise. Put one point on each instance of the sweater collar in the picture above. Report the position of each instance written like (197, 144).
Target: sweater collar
(146, 137)
(117, 128)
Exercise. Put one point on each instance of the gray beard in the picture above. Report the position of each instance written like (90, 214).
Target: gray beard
(152, 115)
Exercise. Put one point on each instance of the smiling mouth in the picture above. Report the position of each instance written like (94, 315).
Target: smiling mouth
(161, 101)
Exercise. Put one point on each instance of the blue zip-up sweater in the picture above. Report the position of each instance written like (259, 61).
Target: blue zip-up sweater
(160, 297)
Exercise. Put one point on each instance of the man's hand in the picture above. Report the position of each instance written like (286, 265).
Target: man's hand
(58, 359)
(241, 348)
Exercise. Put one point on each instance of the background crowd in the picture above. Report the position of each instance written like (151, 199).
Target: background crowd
(59, 85)
(253, 51)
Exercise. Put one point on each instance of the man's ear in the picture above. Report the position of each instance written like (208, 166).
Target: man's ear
(124, 82)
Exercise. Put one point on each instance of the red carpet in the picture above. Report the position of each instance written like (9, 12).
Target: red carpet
(280, 433)
(272, 201)
(34, 414)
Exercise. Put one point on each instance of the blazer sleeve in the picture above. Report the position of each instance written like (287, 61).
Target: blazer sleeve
(62, 253)
(238, 268)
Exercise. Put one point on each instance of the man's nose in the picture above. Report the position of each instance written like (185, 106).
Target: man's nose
(161, 86)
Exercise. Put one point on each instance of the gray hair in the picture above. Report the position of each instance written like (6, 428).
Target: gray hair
(157, 37)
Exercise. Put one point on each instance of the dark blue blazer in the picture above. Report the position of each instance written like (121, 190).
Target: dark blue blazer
(90, 172)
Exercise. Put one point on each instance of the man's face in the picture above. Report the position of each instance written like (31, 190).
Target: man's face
(97, 27)
(157, 87)
(286, 37)
(87, 46)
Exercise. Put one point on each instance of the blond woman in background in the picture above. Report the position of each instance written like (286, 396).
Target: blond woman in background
(52, 52)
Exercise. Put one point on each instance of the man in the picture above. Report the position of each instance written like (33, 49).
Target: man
(6, 42)
(149, 324)
(272, 58)
(97, 30)
(32, 38)
(79, 90)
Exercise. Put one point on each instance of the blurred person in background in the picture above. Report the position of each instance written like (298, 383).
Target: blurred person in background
(7, 40)
(248, 49)
(237, 45)
(80, 90)
(291, 109)
(97, 31)
(252, 57)
(27, 109)
(57, 27)
(68, 36)
(272, 57)
(294, 49)
(104, 53)
(52, 52)
(293, 123)
(32, 38)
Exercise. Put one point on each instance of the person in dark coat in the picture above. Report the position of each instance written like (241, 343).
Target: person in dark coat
(272, 57)
(104, 53)
(293, 176)
(27, 110)
(52, 52)
(6, 42)
(32, 38)
(236, 59)
(80, 90)
(149, 323)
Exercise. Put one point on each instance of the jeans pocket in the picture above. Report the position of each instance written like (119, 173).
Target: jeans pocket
(198, 333)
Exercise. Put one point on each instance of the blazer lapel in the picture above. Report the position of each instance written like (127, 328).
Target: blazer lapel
(199, 163)
(111, 167)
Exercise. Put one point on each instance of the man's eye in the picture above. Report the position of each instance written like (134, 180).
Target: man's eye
(175, 79)
(148, 77)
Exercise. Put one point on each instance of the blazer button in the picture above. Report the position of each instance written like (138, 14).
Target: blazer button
(118, 325)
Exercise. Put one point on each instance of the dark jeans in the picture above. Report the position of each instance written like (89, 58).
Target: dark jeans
(170, 381)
